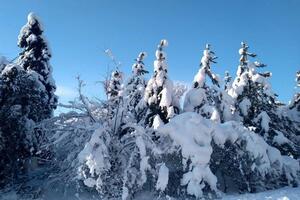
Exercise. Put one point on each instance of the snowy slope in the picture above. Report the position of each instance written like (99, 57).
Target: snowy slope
(280, 194)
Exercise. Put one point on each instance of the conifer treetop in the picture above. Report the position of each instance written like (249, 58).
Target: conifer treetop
(138, 66)
(206, 60)
(298, 78)
(30, 30)
(243, 51)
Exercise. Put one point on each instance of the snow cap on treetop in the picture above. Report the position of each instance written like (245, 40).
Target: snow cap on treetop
(116, 74)
(138, 67)
(163, 43)
(32, 19)
(141, 56)
(207, 46)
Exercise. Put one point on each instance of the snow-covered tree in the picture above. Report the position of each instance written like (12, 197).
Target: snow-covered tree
(227, 81)
(35, 57)
(257, 107)
(197, 98)
(135, 88)
(244, 58)
(192, 157)
(21, 106)
(210, 101)
(114, 85)
(159, 91)
(133, 108)
(26, 98)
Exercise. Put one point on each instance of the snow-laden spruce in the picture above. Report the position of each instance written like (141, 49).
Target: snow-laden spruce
(114, 85)
(135, 89)
(210, 101)
(35, 57)
(159, 91)
(257, 107)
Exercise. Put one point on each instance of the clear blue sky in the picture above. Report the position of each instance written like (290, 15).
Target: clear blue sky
(79, 30)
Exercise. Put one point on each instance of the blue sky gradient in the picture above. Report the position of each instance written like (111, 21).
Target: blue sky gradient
(78, 32)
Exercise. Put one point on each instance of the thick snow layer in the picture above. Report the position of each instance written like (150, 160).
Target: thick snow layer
(215, 116)
(144, 165)
(270, 157)
(157, 122)
(244, 106)
(159, 65)
(280, 139)
(151, 86)
(183, 129)
(160, 78)
(195, 145)
(287, 193)
(32, 18)
(227, 106)
(194, 135)
(25, 32)
(94, 156)
(205, 58)
(166, 94)
(251, 75)
(238, 85)
(280, 194)
(200, 77)
(193, 98)
(264, 120)
(163, 178)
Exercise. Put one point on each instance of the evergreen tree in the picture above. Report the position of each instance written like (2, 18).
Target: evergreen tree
(21, 106)
(35, 57)
(115, 101)
(210, 101)
(244, 58)
(135, 86)
(227, 81)
(26, 97)
(114, 85)
(134, 90)
(257, 107)
(159, 91)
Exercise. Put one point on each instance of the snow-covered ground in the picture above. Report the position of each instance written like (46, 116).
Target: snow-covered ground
(286, 193)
